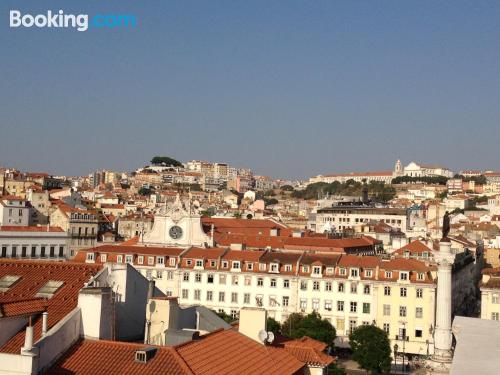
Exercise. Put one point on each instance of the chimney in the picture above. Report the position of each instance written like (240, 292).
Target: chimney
(253, 322)
(28, 340)
(45, 317)
(151, 289)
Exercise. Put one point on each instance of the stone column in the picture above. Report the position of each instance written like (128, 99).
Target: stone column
(441, 360)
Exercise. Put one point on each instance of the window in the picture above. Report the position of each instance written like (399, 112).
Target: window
(248, 281)
(274, 267)
(387, 290)
(354, 288)
(234, 314)
(354, 306)
(49, 289)
(288, 268)
(197, 294)
(170, 275)
(234, 297)
(403, 276)
(7, 281)
(366, 289)
(104, 258)
(315, 285)
(419, 312)
(388, 274)
(317, 270)
(420, 293)
(342, 272)
(236, 265)
(262, 266)
(52, 252)
(159, 274)
(42, 251)
(171, 262)
(235, 280)
(246, 298)
(329, 270)
(305, 269)
(303, 304)
(354, 272)
(328, 305)
(420, 276)
(197, 277)
(368, 273)
(119, 259)
(210, 278)
(328, 286)
(286, 283)
(402, 311)
(260, 281)
(140, 259)
(160, 260)
(258, 300)
(199, 263)
(303, 285)
(222, 296)
(352, 325)
(33, 251)
(185, 276)
(366, 308)
(212, 263)
(210, 295)
(340, 305)
(273, 283)
(222, 279)
(402, 292)
(129, 258)
(61, 251)
(387, 328)
(418, 333)
(189, 262)
(495, 316)
(90, 257)
(250, 266)
(495, 299)
(315, 304)
(286, 301)
(387, 310)
(151, 261)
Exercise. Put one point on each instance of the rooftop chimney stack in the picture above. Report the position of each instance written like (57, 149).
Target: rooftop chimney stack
(253, 322)
(28, 340)
(45, 316)
(151, 289)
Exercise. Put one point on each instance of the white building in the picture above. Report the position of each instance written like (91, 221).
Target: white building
(424, 170)
(14, 211)
(42, 242)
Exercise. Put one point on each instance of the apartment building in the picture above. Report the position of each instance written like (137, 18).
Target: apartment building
(397, 295)
(14, 211)
(490, 294)
(81, 225)
(35, 242)
(350, 216)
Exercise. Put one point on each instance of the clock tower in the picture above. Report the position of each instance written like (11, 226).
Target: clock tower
(178, 226)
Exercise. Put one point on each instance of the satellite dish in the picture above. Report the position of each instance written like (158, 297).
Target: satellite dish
(262, 335)
(270, 337)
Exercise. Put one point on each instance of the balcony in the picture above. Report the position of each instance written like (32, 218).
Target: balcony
(402, 338)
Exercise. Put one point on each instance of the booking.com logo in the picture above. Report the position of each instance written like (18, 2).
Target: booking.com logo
(80, 22)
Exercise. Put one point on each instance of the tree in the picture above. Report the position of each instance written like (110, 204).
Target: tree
(371, 348)
(287, 188)
(145, 191)
(166, 161)
(226, 317)
(312, 325)
(273, 325)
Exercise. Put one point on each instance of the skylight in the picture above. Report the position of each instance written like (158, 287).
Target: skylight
(7, 281)
(50, 287)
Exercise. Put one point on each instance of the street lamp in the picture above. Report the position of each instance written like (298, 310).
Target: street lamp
(395, 354)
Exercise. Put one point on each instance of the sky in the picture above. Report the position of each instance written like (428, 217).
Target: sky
(289, 88)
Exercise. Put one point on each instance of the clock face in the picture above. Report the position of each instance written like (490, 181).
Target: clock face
(175, 232)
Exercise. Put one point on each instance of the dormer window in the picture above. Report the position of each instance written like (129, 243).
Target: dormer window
(288, 268)
(403, 276)
(199, 263)
(90, 257)
(305, 269)
(225, 264)
(262, 266)
(171, 262)
(329, 270)
(151, 261)
(250, 266)
(342, 272)
(236, 265)
(119, 259)
(274, 267)
(406, 254)
(129, 258)
(49, 289)
(388, 274)
(213, 263)
(354, 272)
(104, 258)
(160, 260)
(425, 254)
(420, 276)
(140, 259)
(368, 273)
(317, 270)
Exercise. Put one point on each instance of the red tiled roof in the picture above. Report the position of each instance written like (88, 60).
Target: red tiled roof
(416, 247)
(34, 275)
(88, 357)
(229, 352)
(31, 228)
(22, 307)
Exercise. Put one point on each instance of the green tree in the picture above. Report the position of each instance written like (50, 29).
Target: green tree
(287, 188)
(273, 325)
(145, 191)
(166, 161)
(371, 348)
(312, 325)
(226, 317)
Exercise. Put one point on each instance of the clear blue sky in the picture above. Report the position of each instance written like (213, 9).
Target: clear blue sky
(288, 88)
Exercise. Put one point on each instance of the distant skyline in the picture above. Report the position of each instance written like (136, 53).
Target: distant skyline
(290, 89)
